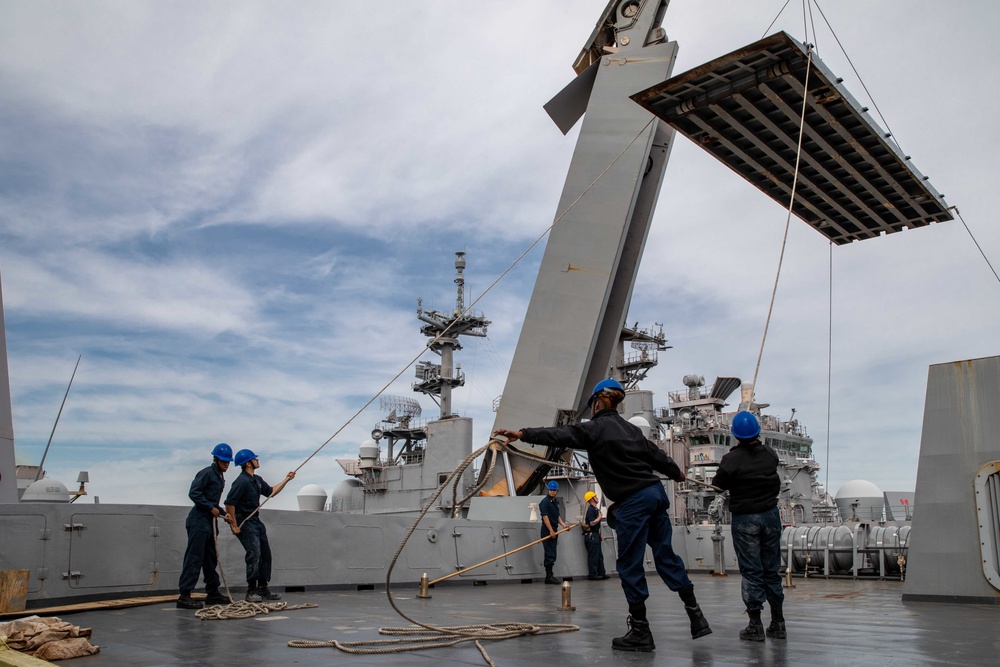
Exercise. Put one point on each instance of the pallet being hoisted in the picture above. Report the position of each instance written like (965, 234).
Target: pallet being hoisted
(745, 109)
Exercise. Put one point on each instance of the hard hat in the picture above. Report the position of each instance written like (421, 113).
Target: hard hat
(243, 456)
(745, 426)
(588, 496)
(553, 485)
(223, 452)
(605, 385)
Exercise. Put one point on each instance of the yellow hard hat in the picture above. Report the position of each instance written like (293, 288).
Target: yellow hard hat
(588, 496)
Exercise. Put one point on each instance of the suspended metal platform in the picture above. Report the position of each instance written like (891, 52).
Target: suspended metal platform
(745, 108)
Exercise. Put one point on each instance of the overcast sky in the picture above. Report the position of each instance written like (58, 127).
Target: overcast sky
(230, 209)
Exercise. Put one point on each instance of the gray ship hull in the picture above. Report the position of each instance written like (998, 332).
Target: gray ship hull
(81, 552)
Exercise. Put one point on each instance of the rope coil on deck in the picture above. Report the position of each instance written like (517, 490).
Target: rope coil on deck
(424, 635)
(245, 609)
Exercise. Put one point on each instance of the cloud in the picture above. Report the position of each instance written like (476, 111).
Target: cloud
(231, 209)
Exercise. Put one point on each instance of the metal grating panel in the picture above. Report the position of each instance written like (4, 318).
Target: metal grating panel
(744, 108)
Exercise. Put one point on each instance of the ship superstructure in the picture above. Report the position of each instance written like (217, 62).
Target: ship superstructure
(697, 426)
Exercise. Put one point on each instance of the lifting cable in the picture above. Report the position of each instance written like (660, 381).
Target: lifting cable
(788, 217)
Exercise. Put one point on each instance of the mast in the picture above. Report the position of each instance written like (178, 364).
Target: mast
(437, 380)
(581, 296)
(8, 471)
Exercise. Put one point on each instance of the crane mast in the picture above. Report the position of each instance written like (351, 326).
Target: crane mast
(581, 295)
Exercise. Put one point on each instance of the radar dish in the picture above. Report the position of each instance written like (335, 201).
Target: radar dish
(400, 408)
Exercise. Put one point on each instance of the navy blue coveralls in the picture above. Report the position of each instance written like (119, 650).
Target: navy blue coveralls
(750, 472)
(200, 555)
(624, 462)
(244, 496)
(592, 540)
(549, 508)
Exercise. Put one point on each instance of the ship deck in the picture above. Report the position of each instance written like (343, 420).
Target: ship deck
(830, 622)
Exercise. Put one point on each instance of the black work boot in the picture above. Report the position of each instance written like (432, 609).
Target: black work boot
(699, 624)
(268, 594)
(638, 637)
(187, 602)
(216, 597)
(754, 632)
(777, 627)
(549, 578)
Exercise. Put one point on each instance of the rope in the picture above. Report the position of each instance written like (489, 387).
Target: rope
(245, 609)
(469, 308)
(788, 218)
(431, 636)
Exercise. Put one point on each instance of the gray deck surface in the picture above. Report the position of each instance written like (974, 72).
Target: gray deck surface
(830, 622)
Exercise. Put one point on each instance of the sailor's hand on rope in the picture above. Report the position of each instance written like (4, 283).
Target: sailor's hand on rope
(512, 436)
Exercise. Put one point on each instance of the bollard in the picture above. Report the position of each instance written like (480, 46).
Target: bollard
(567, 604)
(423, 594)
(788, 577)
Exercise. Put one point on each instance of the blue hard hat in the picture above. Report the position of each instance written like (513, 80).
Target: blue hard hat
(745, 426)
(243, 456)
(553, 485)
(223, 452)
(605, 385)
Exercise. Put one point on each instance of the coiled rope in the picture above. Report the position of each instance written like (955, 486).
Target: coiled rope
(245, 609)
(421, 636)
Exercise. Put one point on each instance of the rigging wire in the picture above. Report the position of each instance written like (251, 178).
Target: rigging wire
(889, 132)
(829, 371)
(467, 309)
(775, 20)
(788, 218)
(978, 247)
(812, 22)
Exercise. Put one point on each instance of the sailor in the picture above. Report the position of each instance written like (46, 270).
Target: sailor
(242, 502)
(549, 510)
(625, 464)
(592, 538)
(750, 473)
(200, 554)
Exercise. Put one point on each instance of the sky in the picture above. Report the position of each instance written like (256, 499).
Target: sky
(229, 210)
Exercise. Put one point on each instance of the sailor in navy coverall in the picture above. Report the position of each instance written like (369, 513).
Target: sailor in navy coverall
(200, 555)
(242, 502)
(625, 464)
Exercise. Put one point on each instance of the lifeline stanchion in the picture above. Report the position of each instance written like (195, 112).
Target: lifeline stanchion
(496, 558)
(567, 604)
(424, 594)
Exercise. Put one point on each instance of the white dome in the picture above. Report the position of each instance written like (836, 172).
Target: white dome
(643, 425)
(858, 488)
(860, 500)
(312, 498)
(46, 491)
(345, 486)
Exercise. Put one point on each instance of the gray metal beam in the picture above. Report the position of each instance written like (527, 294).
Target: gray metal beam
(8, 470)
(588, 269)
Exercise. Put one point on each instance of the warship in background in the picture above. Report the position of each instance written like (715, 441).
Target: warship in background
(80, 551)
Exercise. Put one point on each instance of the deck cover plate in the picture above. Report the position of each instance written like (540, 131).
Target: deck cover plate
(745, 107)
